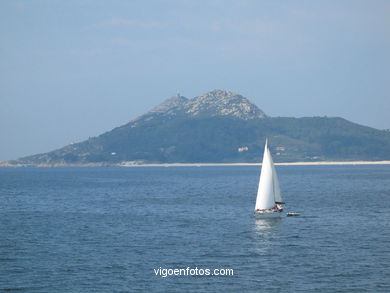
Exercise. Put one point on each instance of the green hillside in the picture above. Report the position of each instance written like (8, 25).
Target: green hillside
(220, 127)
(218, 139)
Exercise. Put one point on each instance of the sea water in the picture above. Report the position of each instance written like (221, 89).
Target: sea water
(117, 229)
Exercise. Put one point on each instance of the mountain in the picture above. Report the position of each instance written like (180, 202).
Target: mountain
(220, 126)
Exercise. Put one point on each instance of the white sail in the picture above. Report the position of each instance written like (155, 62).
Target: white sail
(265, 193)
(277, 193)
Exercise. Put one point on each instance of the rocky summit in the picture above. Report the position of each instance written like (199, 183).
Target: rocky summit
(223, 103)
(214, 103)
(219, 127)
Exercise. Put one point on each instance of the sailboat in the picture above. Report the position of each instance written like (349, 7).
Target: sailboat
(269, 199)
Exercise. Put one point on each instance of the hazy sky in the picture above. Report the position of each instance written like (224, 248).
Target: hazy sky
(74, 69)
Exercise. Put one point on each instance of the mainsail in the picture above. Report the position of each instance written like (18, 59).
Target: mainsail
(268, 192)
(277, 193)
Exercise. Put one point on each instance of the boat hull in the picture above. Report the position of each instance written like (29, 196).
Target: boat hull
(268, 215)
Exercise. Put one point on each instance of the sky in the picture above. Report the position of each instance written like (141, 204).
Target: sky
(70, 70)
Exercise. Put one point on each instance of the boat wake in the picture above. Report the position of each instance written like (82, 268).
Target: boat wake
(292, 214)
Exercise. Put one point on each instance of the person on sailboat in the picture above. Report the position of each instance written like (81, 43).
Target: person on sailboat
(277, 208)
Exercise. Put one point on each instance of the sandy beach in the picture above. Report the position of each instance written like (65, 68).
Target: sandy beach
(256, 164)
(134, 164)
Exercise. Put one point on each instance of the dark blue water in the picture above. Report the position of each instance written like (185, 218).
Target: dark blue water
(107, 229)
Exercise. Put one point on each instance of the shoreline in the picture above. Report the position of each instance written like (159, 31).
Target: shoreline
(132, 164)
(259, 164)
